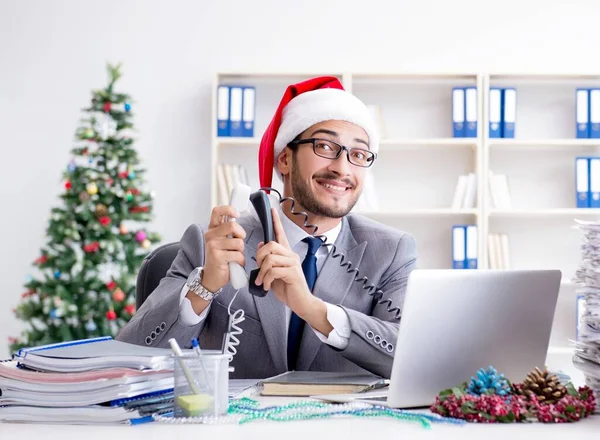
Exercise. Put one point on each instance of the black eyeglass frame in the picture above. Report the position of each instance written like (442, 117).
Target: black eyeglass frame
(342, 148)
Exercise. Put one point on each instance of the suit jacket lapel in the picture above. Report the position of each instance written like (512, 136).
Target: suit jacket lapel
(332, 285)
(270, 311)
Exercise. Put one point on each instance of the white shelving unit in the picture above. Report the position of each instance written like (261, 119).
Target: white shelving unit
(419, 164)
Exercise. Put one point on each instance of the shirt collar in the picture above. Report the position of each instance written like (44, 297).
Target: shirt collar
(295, 234)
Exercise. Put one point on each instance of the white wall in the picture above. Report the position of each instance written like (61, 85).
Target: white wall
(52, 53)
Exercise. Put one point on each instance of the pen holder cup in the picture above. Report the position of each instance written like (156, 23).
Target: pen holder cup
(201, 385)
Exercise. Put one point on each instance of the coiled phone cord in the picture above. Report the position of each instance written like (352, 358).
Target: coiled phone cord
(233, 330)
(371, 289)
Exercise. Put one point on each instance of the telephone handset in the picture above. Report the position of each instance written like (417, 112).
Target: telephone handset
(262, 207)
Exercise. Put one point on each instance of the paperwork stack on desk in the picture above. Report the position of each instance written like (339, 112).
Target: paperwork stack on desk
(90, 381)
(587, 345)
(91, 354)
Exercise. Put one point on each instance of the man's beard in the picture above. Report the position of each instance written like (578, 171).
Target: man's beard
(303, 195)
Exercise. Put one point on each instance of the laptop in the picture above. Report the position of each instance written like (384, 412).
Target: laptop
(455, 322)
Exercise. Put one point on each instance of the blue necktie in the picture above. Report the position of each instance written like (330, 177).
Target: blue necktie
(309, 267)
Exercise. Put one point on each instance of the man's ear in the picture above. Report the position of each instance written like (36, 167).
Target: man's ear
(284, 161)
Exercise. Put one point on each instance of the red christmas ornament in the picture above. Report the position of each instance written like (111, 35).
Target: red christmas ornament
(135, 209)
(28, 293)
(111, 315)
(91, 247)
(104, 220)
(135, 191)
(84, 152)
(106, 107)
(118, 295)
(130, 308)
(68, 184)
(111, 285)
(109, 181)
(123, 174)
(41, 260)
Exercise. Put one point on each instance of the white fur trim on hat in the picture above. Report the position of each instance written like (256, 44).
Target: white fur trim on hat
(310, 108)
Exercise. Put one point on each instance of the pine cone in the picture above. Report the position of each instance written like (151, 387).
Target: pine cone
(547, 388)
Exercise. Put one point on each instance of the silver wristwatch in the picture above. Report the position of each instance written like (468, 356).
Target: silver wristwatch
(194, 285)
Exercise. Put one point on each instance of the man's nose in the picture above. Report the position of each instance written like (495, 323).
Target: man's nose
(341, 165)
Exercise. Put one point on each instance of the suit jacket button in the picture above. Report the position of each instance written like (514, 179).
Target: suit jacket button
(148, 340)
(370, 334)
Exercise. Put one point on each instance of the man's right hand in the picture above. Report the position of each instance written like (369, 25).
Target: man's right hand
(221, 249)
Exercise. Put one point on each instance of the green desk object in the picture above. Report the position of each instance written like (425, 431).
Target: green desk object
(195, 404)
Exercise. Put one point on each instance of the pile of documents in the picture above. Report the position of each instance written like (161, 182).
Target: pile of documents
(91, 381)
(587, 346)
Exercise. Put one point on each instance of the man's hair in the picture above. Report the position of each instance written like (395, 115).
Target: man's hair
(293, 147)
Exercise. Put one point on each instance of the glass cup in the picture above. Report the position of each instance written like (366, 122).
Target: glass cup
(201, 385)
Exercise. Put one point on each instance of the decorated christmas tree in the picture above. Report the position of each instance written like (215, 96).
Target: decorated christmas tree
(83, 281)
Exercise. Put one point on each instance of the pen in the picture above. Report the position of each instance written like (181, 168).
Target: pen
(184, 367)
(196, 347)
(198, 351)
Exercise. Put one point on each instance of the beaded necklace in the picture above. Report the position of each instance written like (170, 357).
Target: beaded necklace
(247, 410)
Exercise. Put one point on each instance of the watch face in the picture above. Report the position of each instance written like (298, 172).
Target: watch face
(194, 275)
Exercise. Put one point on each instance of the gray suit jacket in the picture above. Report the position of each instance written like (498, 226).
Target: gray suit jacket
(384, 255)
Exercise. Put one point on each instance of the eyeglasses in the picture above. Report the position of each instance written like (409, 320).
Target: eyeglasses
(332, 150)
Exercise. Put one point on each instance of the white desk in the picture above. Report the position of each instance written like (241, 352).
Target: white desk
(343, 429)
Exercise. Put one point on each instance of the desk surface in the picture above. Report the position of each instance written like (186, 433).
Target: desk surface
(346, 428)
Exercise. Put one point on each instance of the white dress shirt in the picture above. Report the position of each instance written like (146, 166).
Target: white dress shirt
(336, 316)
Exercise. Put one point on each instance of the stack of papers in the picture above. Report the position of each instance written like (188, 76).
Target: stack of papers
(92, 381)
(587, 346)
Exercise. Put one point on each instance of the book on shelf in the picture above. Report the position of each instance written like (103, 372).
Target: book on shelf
(587, 181)
(499, 191)
(236, 108)
(312, 383)
(464, 112)
(587, 113)
(498, 251)
(503, 112)
(465, 247)
(465, 194)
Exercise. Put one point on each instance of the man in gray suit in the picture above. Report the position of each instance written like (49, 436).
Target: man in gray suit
(322, 143)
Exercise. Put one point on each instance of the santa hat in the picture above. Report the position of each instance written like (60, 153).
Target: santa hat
(304, 105)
